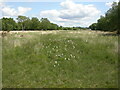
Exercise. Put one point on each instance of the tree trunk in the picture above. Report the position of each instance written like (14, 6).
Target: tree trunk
(22, 28)
(118, 32)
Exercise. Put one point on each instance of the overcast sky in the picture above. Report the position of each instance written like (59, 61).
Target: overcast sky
(65, 13)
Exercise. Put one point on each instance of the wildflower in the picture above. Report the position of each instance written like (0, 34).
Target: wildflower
(56, 62)
(68, 58)
(71, 55)
(73, 47)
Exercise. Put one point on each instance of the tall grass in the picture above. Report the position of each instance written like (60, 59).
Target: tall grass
(66, 59)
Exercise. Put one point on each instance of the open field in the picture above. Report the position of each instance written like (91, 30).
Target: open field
(63, 59)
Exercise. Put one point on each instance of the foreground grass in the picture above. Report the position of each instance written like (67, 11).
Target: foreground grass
(68, 59)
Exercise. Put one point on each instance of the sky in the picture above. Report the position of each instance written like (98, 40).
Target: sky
(64, 13)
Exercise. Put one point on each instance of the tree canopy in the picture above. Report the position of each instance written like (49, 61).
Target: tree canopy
(8, 24)
(25, 23)
(111, 20)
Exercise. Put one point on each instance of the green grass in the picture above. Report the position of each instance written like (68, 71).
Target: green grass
(67, 59)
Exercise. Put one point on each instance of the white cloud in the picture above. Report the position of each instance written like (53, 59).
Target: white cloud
(2, 0)
(72, 14)
(22, 10)
(8, 11)
(109, 4)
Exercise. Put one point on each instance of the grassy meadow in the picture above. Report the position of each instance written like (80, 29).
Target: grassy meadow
(59, 59)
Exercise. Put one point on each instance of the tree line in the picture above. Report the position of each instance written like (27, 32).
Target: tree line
(111, 20)
(25, 23)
